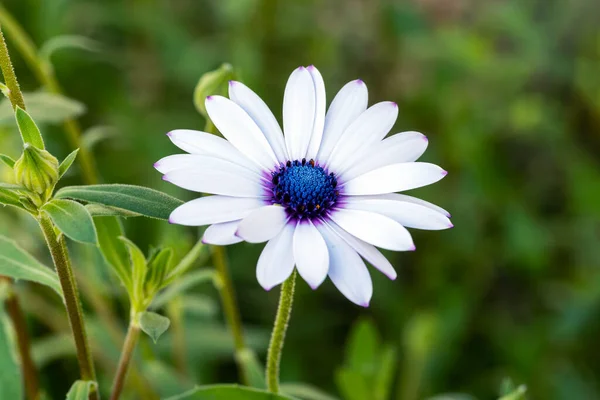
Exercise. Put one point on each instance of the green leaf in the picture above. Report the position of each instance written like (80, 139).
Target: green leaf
(452, 396)
(353, 385)
(72, 219)
(67, 162)
(305, 392)
(96, 134)
(253, 368)
(362, 349)
(137, 199)
(229, 392)
(98, 210)
(10, 163)
(114, 251)
(138, 271)
(384, 378)
(30, 133)
(212, 83)
(517, 394)
(44, 107)
(10, 198)
(52, 348)
(10, 372)
(18, 264)
(68, 42)
(81, 390)
(154, 325)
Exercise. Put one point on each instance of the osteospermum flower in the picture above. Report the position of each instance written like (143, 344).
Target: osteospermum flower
(321, 193)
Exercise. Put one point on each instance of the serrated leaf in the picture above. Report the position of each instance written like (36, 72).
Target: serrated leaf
(66, 163)
(80, 390)
(8, 161)
(305, 391)
(18, 264)
(10, 372)
(114, 251)
(30, 133)
(229, 392)
(145, 201)
(72, 219)
(44, 107)
(154, 325)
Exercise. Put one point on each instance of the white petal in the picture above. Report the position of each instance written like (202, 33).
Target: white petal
(262, 115)
(310, 253)
(369, 128)
(399, 148)
(298, 112)
(202, 162)
(320, 99)
(216, 176)
(202, 143)
(222, 234)
(366, 250)
(394, 178)
(263, 224)
(276, 262)
(347, 270)
(213, 210)
(374, 228)
(348, 104)
(410, 215)
(409, 199)
(241, 130)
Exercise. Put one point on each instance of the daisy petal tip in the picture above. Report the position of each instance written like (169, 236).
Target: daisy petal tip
(165, 178)
(232, 83)
(311, 67)
(359, 82)
(425, 138)
(444, 172)
(171, 220)
(394, 104)
(209, 98)
(365, 304)
(156, 164)
(450, 225)
(413, 248)
(170, 134)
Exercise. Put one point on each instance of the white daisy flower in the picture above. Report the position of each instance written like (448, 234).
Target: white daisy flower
(322, 196)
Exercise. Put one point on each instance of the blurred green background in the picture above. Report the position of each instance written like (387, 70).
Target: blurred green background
(508, 92)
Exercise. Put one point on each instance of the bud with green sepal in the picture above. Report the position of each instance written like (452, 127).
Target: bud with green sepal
(37, 170)
(212, 83)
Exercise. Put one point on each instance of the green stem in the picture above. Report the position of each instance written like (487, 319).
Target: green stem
(28, 369)
(133, 333)
(44, 72)
(15, 95)
(230, 308)
(284, 310)
(62, 262)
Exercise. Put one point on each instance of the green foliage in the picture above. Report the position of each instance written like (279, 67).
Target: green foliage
(113, 249)
(44, 107)
(305, 392)
(81, 390)
(137, 199)
(72, 219)
(369, 366)
(212, 83)
(228, 392)
(18, 264)
(8, 161)
(154, 325)
(66, 163)
(30, 133)
(10, 372)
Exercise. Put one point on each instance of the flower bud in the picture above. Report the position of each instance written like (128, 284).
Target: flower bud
(37, 170)
(212, 83)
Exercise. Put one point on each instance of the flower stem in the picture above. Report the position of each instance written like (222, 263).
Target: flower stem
(284, 310)
(133, 333)
(15, 95)
(62, 262)
(230, 308)
(44, 72)
(27, 366)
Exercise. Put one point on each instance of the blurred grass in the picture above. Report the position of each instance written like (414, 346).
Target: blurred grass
(508, 92)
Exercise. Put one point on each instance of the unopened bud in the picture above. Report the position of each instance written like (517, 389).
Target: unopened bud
(37, 170)
(212, 83)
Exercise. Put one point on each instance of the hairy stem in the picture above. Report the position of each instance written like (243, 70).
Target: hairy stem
(15, 312)
(133, 333)
(15, 95)
(44, 73)
(284, 310)
(62, 263)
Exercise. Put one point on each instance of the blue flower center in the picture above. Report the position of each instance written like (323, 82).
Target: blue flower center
(304, 188)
